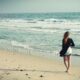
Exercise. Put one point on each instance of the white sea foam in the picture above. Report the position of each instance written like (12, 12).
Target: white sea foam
(18, 44)
(75, 30)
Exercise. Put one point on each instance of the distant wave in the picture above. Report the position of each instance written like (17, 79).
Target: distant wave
(45, 25)
(53, 20)
(37, 22)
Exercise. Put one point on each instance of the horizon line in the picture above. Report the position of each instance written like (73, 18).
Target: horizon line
(39, 12)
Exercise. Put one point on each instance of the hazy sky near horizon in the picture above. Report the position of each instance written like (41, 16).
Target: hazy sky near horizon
(14, 6)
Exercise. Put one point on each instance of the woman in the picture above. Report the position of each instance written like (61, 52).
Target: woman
(66, 51)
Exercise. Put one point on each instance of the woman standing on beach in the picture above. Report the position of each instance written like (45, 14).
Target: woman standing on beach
(66, 51)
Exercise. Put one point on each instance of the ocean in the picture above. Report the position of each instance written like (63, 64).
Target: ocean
(38, 33)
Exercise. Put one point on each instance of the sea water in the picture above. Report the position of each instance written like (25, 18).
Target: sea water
(38, 33)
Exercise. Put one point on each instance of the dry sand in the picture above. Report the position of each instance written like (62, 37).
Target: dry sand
(15, 66)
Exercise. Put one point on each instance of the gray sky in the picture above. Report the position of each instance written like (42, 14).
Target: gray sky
(13, 6)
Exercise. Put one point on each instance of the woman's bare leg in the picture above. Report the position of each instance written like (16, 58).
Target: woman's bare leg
(65, 63)
(68, 58)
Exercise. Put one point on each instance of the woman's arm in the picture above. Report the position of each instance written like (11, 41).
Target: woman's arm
(72, 43)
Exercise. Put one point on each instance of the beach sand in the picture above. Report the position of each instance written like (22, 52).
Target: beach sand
(17, 66)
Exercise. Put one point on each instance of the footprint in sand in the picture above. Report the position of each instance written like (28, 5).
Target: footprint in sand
(26, 74)
(29, 77)
(7, 73)
(17, 69)
(1, 77)
(41, 76)
(21, 70)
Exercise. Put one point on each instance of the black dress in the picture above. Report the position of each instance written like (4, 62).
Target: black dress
(66, 46)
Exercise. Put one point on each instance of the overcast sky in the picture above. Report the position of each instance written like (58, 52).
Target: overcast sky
(14, 6)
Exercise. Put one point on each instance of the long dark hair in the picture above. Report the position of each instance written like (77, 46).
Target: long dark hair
(66, 34)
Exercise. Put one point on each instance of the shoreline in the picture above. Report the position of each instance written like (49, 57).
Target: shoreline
(53, 57)
(33, 67)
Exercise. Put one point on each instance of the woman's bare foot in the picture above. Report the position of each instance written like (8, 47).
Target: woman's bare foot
(67, 71)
